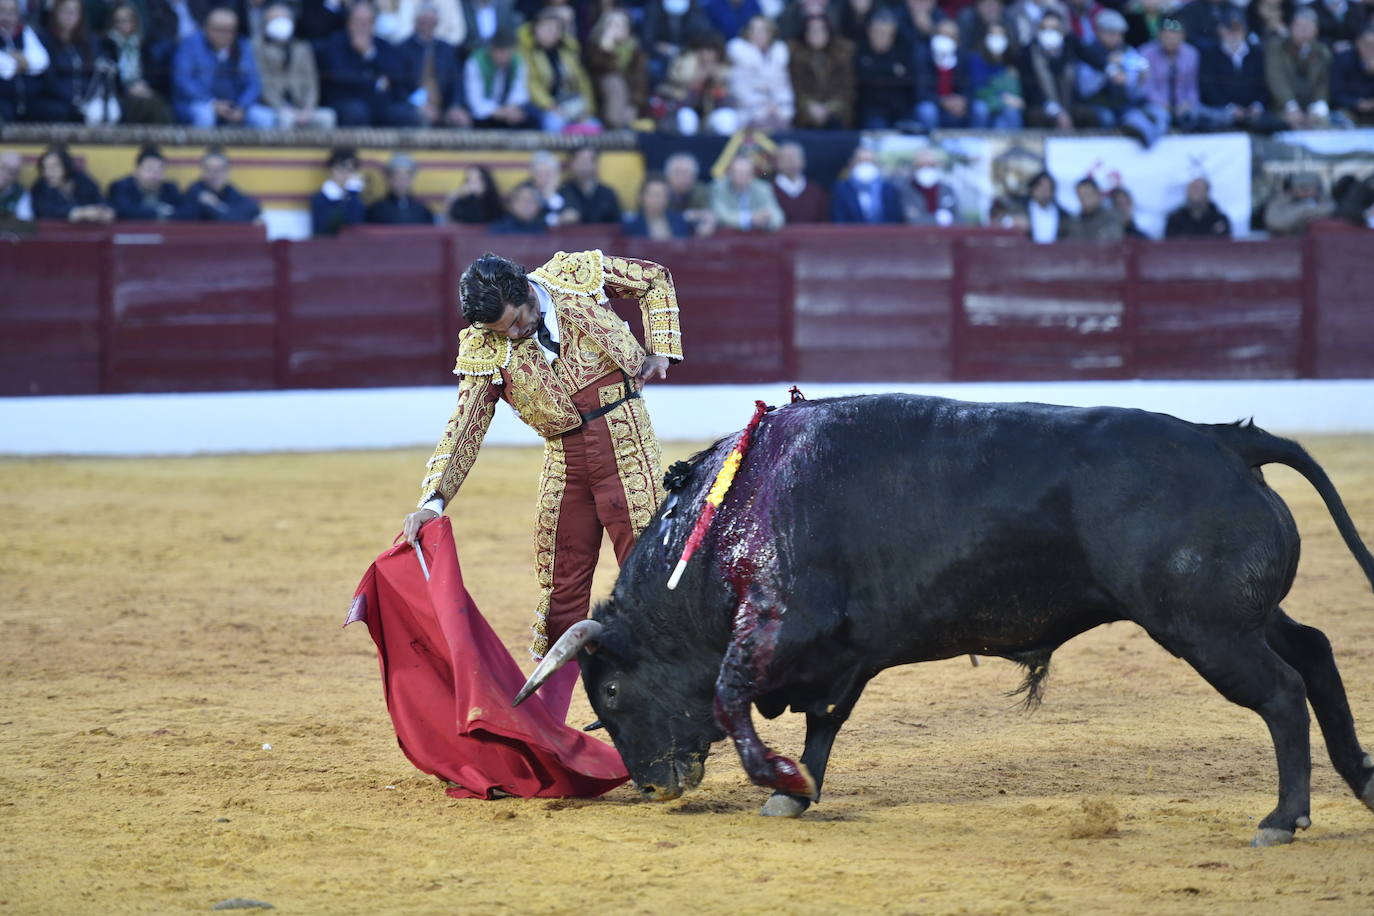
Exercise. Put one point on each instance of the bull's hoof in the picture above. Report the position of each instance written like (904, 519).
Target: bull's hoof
(780, 805)
(1368, 796)
(1272, 836)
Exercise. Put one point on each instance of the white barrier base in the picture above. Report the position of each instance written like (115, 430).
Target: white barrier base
(372, 418)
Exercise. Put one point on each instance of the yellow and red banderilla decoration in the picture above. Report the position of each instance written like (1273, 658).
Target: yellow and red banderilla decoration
(716, 495)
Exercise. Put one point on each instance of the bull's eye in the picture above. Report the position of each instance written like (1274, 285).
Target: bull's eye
(610, 690)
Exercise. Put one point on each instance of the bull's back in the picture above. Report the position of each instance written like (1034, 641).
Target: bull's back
(944, 527)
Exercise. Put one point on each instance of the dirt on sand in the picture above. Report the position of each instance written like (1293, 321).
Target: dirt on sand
(183, 722)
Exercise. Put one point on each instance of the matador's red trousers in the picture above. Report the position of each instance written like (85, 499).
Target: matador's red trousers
(606, 475)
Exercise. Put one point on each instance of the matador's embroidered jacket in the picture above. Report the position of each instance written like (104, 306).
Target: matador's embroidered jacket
(594, 342)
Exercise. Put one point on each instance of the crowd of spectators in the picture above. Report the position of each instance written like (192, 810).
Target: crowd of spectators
(676, 203)
(690, 66)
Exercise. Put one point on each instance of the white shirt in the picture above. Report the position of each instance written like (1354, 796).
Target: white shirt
(549, 314)
(1044, 222)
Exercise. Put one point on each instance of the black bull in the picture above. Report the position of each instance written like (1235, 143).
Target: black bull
(867, 532)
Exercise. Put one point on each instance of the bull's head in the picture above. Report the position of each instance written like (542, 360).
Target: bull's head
(655, 701)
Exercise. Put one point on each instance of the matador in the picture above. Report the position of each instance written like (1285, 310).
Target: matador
(547, 343)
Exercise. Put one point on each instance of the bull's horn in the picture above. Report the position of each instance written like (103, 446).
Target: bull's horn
(568, 645)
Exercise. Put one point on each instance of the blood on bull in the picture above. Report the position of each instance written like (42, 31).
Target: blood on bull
(868, 532)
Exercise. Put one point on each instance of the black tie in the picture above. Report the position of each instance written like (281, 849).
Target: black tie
(545, 338)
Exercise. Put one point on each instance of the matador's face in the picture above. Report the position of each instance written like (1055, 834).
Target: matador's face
(516, 322)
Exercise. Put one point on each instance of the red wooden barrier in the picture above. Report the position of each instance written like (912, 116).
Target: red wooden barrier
(145, 308)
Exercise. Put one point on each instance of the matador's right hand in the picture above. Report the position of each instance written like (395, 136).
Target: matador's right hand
(410, 529)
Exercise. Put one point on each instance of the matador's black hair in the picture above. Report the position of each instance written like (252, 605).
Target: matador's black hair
(489, 285)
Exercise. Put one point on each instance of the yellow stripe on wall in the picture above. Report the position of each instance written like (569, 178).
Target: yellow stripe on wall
(286, 177)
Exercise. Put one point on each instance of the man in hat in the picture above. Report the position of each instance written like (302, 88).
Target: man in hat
(547, 344)
(1231, 85)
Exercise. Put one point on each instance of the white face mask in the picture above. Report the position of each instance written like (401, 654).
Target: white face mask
(387, 25)
(943, 46)
(865, 172)
(997, 44)
(927, 176)
(280, 29)
(676, 7)
(1050, 39)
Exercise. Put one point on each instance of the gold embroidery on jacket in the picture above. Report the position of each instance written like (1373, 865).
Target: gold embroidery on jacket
(638, 459)
(552, 483)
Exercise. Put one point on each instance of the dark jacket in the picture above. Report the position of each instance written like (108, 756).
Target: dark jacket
(346, 77)
(1213, 224)
(507, 18)
(70, 69)
(475, 208)
(129, 201)
(1199, 18)
(318, 22)
(1046, 79)
(447, 74)
(928, 78)
(1221, 83)
(601, 206)
(231, 207)
(509, 225)
(823, 76)
(1350, 82)
(846, 208)
(884, 86)
(53, 203)
(636, 227)
(328, 216)
(394, 211)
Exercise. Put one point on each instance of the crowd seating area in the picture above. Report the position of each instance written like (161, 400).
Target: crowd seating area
(689, 66)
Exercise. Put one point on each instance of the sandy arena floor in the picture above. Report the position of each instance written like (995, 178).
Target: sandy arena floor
(164, 620)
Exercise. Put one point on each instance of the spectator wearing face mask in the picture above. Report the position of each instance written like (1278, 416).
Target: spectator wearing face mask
(942, 84)
(339, 202)
(995, 81)
(290, 83)
(926, 200)
(1047, 75)
(978, 19)
(865, 196)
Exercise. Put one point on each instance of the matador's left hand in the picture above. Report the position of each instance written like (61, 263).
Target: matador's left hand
(655, 366)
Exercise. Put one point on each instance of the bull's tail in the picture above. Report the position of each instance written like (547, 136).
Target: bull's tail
(1257, 447)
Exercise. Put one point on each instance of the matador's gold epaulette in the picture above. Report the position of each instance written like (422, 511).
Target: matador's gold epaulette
(481, 353)
(576, 272)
